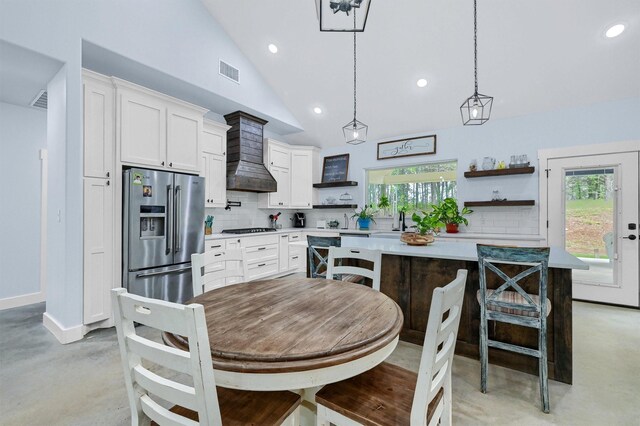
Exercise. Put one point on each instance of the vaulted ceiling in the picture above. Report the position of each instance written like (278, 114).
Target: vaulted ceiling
(534, 56)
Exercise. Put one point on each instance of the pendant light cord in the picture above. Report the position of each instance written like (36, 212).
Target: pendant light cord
(354, 68)
(475, 43)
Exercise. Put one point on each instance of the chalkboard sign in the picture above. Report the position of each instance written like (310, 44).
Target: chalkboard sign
(335, 168)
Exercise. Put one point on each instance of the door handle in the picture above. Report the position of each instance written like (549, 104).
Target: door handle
(169, 226)
(178, 219)
(630, 237)
(153, 274)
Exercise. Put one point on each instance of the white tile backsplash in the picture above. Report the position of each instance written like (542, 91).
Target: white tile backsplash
(484, 220)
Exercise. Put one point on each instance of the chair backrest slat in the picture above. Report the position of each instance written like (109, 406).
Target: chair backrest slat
(318, 261)
(341, 253)
(205, 276)
(160, 354)
(439, 345)
(169, 390)
(161, 415)
(143, 384)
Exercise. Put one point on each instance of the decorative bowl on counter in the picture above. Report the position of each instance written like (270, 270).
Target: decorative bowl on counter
(333, 224)
(413, 239)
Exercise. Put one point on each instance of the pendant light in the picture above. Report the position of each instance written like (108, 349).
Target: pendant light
(477, 108)
(335, 15)
(355, 132)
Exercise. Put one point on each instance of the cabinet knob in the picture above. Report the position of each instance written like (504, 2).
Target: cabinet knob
(224, 153)
(170, 164)
(272, 163)
(108, 174)
(108, 183)
(162, 163)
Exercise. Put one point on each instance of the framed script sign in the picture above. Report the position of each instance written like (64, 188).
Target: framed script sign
(335, 168)
(421, 145)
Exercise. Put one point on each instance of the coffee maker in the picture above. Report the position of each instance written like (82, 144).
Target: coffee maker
(298, 220)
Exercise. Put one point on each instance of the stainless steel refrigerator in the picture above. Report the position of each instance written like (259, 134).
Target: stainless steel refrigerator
(162, 224)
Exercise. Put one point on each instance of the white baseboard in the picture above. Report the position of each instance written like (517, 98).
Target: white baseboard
(22, 300)
(64, 335)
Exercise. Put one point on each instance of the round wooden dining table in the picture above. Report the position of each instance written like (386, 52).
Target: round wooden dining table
(295, 333)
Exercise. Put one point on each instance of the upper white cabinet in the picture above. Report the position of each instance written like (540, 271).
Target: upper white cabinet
(293, 168)
(301, 178)
(214, 163)
(98, 125)
(156, 130)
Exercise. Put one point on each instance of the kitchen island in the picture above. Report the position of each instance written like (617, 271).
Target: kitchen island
(409, 275)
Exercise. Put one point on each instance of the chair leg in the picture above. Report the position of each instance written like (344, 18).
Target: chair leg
(484, 351)
(543, 369)
(321, 416)
(447, 412)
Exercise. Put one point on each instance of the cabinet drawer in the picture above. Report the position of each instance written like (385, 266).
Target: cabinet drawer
(296, 261)
(262, 253)
(263, 269)
(261, 240)
(296, 236)
(211, 246)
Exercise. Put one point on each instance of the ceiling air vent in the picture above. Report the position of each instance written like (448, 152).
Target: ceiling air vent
(231, 72)
(40, 101)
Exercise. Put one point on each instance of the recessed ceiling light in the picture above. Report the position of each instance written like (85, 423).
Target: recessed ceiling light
(273, 48)
(317, 110)
(422, 82)
(615, 30)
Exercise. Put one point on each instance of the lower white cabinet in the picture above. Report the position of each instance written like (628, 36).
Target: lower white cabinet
(262, 256)
(98, 249)
(283, 253)
(233, 244)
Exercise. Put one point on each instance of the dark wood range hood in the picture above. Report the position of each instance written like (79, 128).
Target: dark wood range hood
(245, 161)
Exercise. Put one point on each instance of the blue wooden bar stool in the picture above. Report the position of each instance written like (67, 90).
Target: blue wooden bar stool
(509, 303)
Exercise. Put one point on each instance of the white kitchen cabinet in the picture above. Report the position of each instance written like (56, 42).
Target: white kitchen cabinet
(98, 249)
(157, 131)
(301, 179)
(184, 128)
(280, 198)
(233, 244)
(214, 163)
(283, 253)
(294, 168)
(98, 125)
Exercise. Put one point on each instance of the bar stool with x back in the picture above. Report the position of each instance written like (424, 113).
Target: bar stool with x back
(318, 254)
(509, 303)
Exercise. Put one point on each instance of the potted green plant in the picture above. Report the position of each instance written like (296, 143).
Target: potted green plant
(365, 216)
(384, 204)
(426, 223)
(447, 212)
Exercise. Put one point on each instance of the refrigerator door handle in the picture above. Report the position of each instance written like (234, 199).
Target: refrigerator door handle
(169, 229)
(153, 274)
(178, 219)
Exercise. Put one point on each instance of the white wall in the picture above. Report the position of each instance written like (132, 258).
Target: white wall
(594, 124)
(23, 132)
(176, 37)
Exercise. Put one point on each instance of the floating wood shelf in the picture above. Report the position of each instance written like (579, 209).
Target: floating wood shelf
(500, 172)
(335, 184)
(499, 203)
(335, 206)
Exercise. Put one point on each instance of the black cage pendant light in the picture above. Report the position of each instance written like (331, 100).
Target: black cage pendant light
(355, 132)
(477, 108)
(335, 15)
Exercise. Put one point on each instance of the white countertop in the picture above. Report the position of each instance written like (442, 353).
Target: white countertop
(374, 232)
(558, 257)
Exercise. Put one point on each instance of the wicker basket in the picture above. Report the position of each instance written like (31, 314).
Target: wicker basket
(413, 239)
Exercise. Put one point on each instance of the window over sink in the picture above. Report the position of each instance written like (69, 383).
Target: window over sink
(416, 186)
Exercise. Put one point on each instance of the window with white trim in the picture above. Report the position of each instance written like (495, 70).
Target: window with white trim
(416, 186)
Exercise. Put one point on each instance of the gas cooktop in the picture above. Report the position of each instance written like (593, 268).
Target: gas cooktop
(246, 230)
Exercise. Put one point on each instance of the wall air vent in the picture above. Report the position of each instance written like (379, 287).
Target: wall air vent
(229, 71)
(40, 101)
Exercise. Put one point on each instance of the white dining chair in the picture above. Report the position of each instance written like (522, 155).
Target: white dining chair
(341, 253)
(391, 395)
(212, 269)
(199, 402)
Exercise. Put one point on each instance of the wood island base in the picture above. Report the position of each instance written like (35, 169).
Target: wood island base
(410, 282)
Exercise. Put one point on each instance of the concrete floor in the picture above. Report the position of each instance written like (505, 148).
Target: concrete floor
(45, 383)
